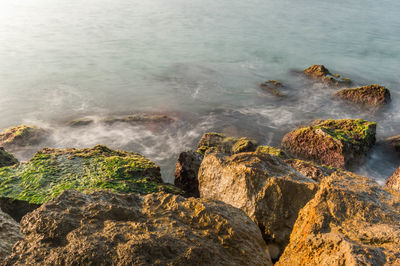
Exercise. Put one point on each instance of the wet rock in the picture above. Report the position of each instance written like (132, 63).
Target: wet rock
(272, 151)
(394, 142)
(321, 73)
(22, 136)
(186, 172)
(225, 144)
(272, 86)
(16, 208)
(393, 182)
(371, 95)
(127, 229)
(351, 221)
(80, 122)
(310, 169)
(138, 118)
(6, 158)
(9, 235)
(337, 143)
(268, 190)
(51, 171)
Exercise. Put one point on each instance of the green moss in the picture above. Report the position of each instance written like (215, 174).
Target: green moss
(220, 142)
(51, 171)
(272, 151)
(6, 158)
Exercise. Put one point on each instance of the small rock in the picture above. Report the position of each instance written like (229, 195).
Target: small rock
(393, 182)
(9, 235)
(272, 87)
(138, 118)
(321, 73)
(186, 172)
(6, 158)
(81, 122)
(22, 136)
(372, 95)
(222, 143)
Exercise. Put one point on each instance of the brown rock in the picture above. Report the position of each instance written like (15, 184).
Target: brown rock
(321, 73)
(269, 191)
(393, 182)
(225, 144)
(373, 95)
(351, 221)
(272, 86)
(310, 169)
(16, 208)
(22, 136)
(156, 229)
(9, 235)
(186, 172)
(394, 142)
(338, 143)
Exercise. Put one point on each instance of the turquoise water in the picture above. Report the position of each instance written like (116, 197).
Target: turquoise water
(200, 61)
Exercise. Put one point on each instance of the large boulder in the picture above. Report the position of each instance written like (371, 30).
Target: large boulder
(351, 221)
(371, 95)
(22, 135)
(6, 159)
(268, 190)
(157, 229)
(337, 143)
(321, 74)
(393, 182)
(9, 235)
(51, 171)
(186, 172)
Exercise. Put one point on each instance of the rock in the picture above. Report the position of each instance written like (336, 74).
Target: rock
(9, 235)
(127, 229)
(51, 171)
(16, 208)
(321, 73)
(272, 151)
(338, 143)
(310, 169)
(6, 158)
(394, 142)
(393, 182)
(80, 122)
(272, 86)
(222, 143)
(268, 190)
(138, 118)
(372, 95)
(351, 221)
(186, 172)
(22, 136)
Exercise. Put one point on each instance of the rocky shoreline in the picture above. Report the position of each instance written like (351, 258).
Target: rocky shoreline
(234, 202)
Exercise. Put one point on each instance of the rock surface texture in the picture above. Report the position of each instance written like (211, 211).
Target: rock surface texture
(225, 144)
(269, 191)
(337, 143)
(372, 95)
(6, 159)
(22, 136)
(393, 182)
(9, 235)
(51, 171)
(156, 229)
(351, 221)
(16, 208)
(321, 73)
(186, 172)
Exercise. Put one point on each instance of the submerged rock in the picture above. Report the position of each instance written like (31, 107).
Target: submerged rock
(268, 190)
(138, 118)
(394, 142)
(225, 144)
(80, 122)
(272, 86)
(186, 172)
(156, 229)
(16, 208)
(6, 158)
(51, 171)
(393, 182)
(22, 136)
(338, 143)
(9, 235)
(321, 73)
(373, 95)
(351, 221)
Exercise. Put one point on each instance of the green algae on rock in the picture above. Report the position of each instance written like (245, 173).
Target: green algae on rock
(52, 171)
(338, 143)
(6, 159)
(272, 151)
(22, 135)
(373, 95)
(222, 143)
(322, 74)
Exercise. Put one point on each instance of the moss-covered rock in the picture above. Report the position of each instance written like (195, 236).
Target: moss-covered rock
(80, 122)
(321, 73)
(272, 151)
(222, 143)
(52, 171)
(373, 95)
(22, 136)
(338, 143)
(6, 158)
(272, 86)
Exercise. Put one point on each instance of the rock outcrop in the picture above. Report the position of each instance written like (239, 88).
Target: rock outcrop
(338, 143)
(272, 86)
(321, 74)
(157, 229)
(186, 172)
(371, 95)
(6, 159)
(9, 235)
(351, 221)
(393, 181)
(22, 135)
(268, 190)
(51, 171)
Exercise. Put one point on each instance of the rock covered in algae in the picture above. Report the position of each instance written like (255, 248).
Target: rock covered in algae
(9, 235)
(6, 158)
(223, 143)
(372, 95)
(393, 181)
(51, 171)
(267, 189)
(22, 135)
(186, 172)
(126, 229)
(321, 73)
(338, 143)
(350, 221)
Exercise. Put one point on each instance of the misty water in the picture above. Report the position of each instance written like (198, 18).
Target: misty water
(198, 61)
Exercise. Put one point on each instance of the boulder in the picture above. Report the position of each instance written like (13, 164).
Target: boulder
(9, 235)
(6, 159)
(321, 74)
(371, 95)
(126, 229)
(223, 143)
(22, 136)
(394, 142)
(268, 190)
(16, 208)
(186, 172)
(393, 182)
(310, 169)
(351, 221)
(272, 86)
(51, 171)
(337, 143)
